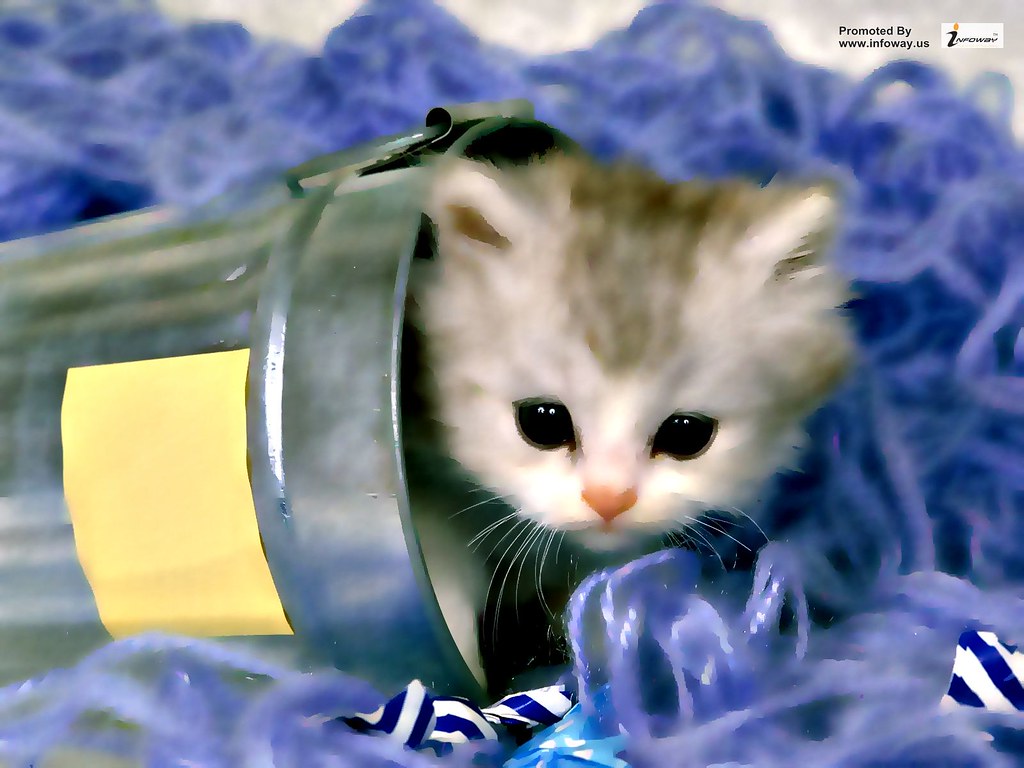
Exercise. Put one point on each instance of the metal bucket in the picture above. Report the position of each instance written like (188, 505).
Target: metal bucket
(200, 427)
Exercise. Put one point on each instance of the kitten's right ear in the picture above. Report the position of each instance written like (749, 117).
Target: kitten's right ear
(788, 238)
(472, 210)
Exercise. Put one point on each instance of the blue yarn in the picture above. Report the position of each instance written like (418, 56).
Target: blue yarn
(835, 646)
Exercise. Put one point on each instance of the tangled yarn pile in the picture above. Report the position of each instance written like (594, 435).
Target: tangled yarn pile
(901, 531)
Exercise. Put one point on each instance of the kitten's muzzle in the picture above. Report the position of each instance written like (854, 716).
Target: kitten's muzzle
(609, 502)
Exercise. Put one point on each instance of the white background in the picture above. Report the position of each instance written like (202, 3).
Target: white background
(807, 29)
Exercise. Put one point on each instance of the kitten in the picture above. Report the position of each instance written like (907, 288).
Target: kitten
(614, 355)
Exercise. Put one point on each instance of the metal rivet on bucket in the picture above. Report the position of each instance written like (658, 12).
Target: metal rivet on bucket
(200, 423)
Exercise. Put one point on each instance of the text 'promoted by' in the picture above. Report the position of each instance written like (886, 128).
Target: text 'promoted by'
(895, 36)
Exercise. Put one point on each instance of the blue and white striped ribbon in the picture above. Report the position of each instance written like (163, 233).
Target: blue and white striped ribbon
(531, 709)
(987, 673)
(418, 718)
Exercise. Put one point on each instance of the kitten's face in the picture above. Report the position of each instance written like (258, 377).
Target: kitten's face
(615, 355)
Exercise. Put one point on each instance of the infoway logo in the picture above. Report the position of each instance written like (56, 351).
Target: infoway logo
(973, 35)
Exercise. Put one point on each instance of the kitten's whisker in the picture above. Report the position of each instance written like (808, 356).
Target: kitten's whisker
(704, 539)
(492, 498)
(682, 539)
(494, 574)
(724, 521)
(521, 556)
(751, 519)
(711, 527)
(540, 574)
(528, 530)
(738, 511)
(507, 533)
(558, 548)
(491, 526)
(477, 541)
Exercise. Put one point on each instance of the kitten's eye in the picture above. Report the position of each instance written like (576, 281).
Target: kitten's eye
(684, 435)
(545, 424)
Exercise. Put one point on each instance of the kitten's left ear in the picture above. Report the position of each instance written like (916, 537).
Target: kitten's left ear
(472, 209)
(790, 237)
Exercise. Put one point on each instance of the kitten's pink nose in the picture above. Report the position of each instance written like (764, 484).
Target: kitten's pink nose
(609, 503)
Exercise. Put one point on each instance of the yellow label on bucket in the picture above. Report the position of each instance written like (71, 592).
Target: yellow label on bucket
(156, 483)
